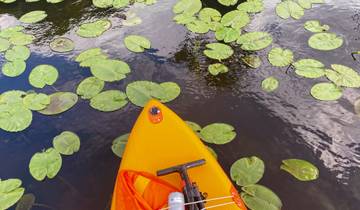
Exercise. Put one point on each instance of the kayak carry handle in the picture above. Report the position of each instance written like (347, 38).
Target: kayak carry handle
(181, 167)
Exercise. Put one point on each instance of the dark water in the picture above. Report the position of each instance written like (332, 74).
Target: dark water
(286, 124)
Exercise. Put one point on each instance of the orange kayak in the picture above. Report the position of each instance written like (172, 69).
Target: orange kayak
(164, 140)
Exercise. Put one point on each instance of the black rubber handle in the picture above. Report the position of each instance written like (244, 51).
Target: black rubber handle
(180, 167)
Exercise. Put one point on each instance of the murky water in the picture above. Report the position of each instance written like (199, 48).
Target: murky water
(286, 124)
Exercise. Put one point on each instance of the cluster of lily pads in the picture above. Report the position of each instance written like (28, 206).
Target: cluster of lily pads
(119, 3)
(29, 1)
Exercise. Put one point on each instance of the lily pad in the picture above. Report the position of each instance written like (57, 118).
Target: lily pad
(14, 68)
(258, 197)
(33, 17)
(4, 45)
(194, 126)
(198, 26)
(12, 97)
(94, 60)
(90, 87)
(45, 164)
(209, 15)
(108, 101)
(43, 75)
(22, 39)
(325, 41)
(88, 54)
(60, 102)
(307, 4)
(137, 43)
(66, 143)
(120, 3)
(213, 153)
(343, 76)
(315, 26)
(184, 18)
(357, 106)
(218, 51)
(62, 45)
(252, 61)
(103, 3)
(17, 53)
(119, 144)
(227, 2)
(270, 84)
(36, 101)
(14, 118)
(140, 92)
(11, 192)
(326, 91)
(94, 29)
(255, 40)
(247, 170)
(300, 169)
(189, 7)
(280, 57)
(288, 8)
(10, 31)
(110, 70)
(171, 91)
(309, 68)
(251, 6)
(218, 133)
(235, 19)
(217, 68)
(227, 34)
(26, 202)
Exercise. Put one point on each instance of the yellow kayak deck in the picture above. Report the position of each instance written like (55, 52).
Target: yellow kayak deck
(153, 146)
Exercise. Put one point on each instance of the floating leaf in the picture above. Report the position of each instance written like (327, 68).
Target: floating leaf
(209, 15)
(343, 76)
(119, 144)
(198, 26)
(43, 75)
(227, 2)
(280, 57)
(315, 26)
(288, 8)
(10, 192)
(326, 91)
(227, 34)
(171, 90)
(300, 169)
(110, 70)
(255, 40)
(103, 3)
(54, 1)
(26, 202)
(140, 92)
(17, 53)
(184, 18)
(357, 106)
(252, 61)
(218, 51)
(108, 101)
(88, 54)
(137, 43)
(325, 41)
(90, 87)
(36, 101)
(94, 29)
(12, 97)
(217, 68)
(309, 68)
(60, 102)
(10, 31)
(235, 19)
(62, 45)
(270, 84)
(94, 60)
(33, 17)
(66, 143)
(120, 3)
(258, 197)
(213, 153)
(21, 39)
(218, 133)
(14, 118)
(247, 170)
(251, 6)
(4, 44)
(189, 7)
(14, 69)
(194, 126)
(45, 164)
(307, 4)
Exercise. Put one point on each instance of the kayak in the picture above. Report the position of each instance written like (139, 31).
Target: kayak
(161, 140)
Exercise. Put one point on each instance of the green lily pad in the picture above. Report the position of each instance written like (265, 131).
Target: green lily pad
(11, 192)
(60, 102)
(300, 169)
(288, 8)
(309, 68)
(88, 54)
(307, 4)
(255, 41)
(17, 53)
(12, 97)
(251, 6)
(103, 3)
(94, 60)
(21, 39)
(252, 61)
(218, 51)
(94, 29)
(326, 91)
(66, 143)
(194, 126)
(325, 41)
(217, 68)
(184, 18)
(258, 197)
(171, 91)
(36, 101)
(62, 45)
(120, 3)
(227, 34)
(343, 76)
(137, 43)
(54, 1)
(33, 17)
(227, 2)
(280, 57)
(357, 106)
(198, 26)
(315, 26)
(247, 171)
(43, 75)
(218, 133)
(109, 101)
(209, 15)
(10, 31)
(4, 45)
(14, 68)
(235, 19)
(212, 151)
(189, 7)
(14, 118)
(45, 164)
(119, 144)
(26, 202)
(140, 92)
(270, 84)
(90, 87)
(110, 70)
